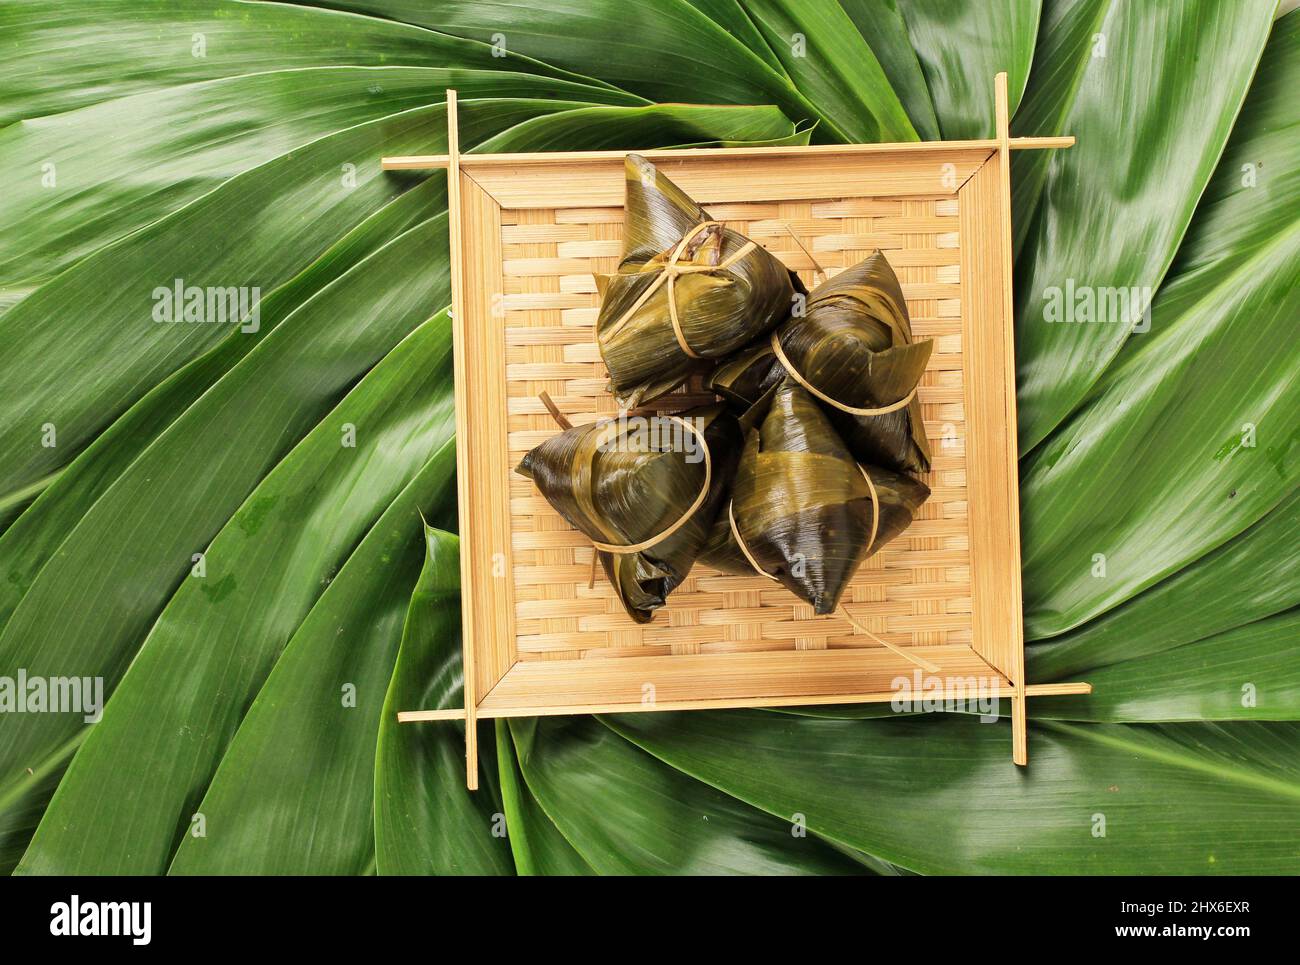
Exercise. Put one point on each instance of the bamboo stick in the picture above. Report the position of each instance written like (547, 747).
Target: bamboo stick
(419, 162)
(461, 368)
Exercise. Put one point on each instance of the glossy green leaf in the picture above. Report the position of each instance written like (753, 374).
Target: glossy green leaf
(1189, 439)
(1248, 673)
(962, 45)
(58, 56)
(730, 15)
(273, 220)
(833, 65)
(1153, 473)
(666, 50)
(535, 841)
(426, 821)
(1251, 577)
(212, 648)
(881, 24)
(939, 794)
(33, 539)
(1108, 213)
(186, 140)
(626, 813)
(632, 128)
(293, 793)
(1252, 197)
(172, 500)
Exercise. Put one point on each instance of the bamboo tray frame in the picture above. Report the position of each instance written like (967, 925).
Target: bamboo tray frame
(528, 230)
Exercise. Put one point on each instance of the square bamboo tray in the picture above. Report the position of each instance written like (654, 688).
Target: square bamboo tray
(527, 234)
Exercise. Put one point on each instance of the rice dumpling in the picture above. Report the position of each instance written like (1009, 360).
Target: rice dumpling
(645, 490)
(803, 511)
(853, 349)
(688, 291)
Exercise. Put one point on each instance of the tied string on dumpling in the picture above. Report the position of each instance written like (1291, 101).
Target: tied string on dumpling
(623, 549)
(668, 275)
(843, 611)
(798, 377)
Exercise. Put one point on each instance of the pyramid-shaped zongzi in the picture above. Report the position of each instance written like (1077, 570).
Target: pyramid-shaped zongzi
(802, 510)
(688, 291)
(853, 346)
(634, 481)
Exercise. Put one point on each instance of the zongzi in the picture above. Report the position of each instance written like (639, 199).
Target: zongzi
(852, 348)
(644, 490)
(687, 292)
(803, 511)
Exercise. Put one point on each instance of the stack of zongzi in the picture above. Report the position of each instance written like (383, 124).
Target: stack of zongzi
(687, 293)
(812, 478)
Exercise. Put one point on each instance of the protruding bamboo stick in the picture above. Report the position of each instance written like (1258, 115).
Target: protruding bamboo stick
(1019, 715)
(416, 716)
(454, 223)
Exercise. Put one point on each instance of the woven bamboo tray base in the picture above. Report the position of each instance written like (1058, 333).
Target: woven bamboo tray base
(915, 592)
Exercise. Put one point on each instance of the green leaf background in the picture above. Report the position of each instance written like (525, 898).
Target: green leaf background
(244, 529)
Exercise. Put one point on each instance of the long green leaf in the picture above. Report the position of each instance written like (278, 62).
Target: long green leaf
(1252, 197)
(426, 821)
(32, 540)
(535, 841)
(183, 488)
(626, 813)
(1254, 576)
(1249, 673)
(186, 140)
(1154, 473)
(940, 795)
(962, 44)
(1189, 439)
(170, 719)
(294, 793)
(730, 15)
(271, 221)
(631, 128)
(834, 67)
(57, 57)
(1109, 213)
(666, 50)
(881, 24)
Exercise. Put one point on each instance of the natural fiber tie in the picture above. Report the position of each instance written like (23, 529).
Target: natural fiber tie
(668, 274)
(875, 525)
